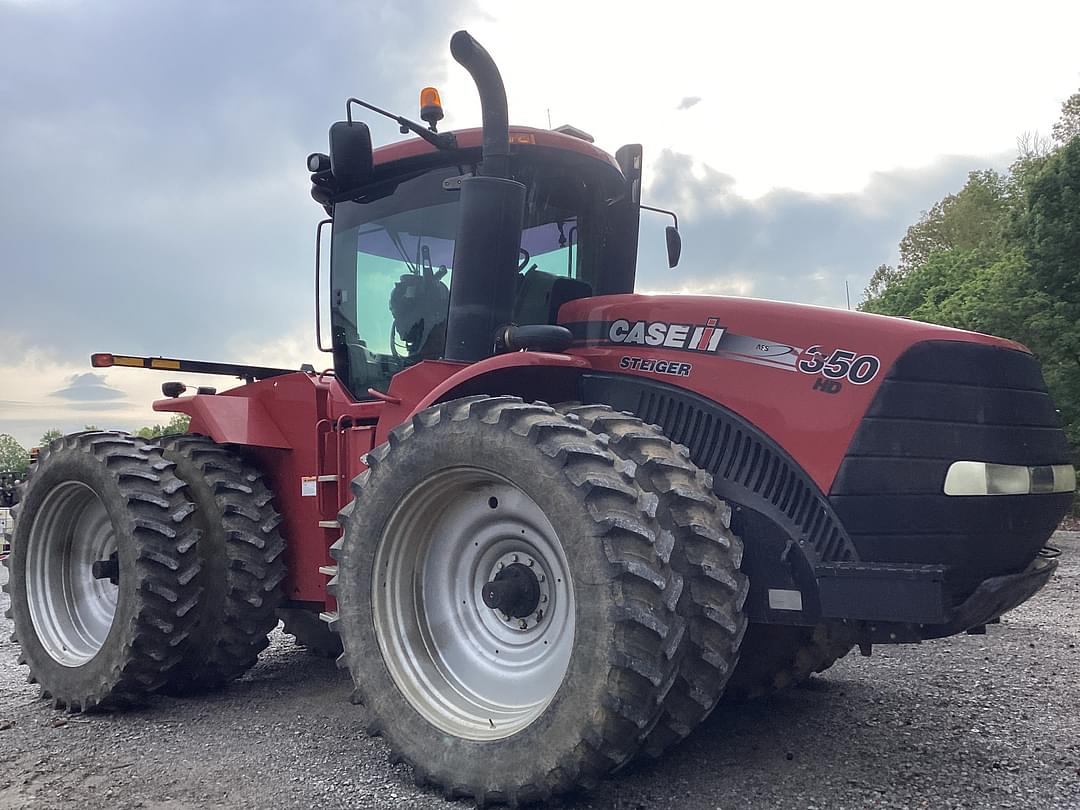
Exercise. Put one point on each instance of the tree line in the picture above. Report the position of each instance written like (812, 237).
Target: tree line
(1002, 256)
(15, 459)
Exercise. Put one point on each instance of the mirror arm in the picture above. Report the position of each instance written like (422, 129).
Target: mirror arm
(440, 140)
(671, 214)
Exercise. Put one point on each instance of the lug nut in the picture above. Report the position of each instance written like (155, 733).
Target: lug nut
(539, 615)
(524, 625)
(530, 562)
(514, 557)
(543, 597)
(501, 566)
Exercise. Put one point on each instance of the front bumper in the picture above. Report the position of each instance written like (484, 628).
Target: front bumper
(902, 603)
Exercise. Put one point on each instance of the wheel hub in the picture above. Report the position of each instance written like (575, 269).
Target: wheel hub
(107, 569)
(518, 593)
(475, 606)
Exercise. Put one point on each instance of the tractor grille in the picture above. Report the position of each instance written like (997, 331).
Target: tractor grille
(945, 401)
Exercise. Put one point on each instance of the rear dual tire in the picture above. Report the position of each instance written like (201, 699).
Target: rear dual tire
(241, 554)
(139, 567)
(100, 636)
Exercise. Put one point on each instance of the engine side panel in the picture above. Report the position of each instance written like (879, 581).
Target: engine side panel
(753, 357)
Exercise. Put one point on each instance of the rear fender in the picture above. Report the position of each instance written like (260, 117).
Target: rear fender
(228, 419)
(533, 376)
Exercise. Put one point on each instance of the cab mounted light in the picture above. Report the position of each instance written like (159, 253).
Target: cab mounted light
(431, 110)
(101, 360)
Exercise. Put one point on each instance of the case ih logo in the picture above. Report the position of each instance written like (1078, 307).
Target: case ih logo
(682, 336)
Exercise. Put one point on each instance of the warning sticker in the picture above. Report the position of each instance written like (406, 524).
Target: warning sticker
(308, 486)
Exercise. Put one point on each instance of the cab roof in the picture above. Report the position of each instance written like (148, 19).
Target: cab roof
(473, 138)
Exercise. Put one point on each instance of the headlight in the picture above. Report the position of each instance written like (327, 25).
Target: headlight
(981, 478)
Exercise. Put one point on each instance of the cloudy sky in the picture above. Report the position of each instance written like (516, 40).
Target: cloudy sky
(153, 197)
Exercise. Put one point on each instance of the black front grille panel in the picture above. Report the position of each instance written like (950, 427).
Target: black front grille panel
(945, 401)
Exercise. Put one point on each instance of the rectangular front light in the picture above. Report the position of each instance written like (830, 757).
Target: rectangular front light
(981, 478)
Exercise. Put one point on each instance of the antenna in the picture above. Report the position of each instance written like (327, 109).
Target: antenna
(847, 292)
(549, 117)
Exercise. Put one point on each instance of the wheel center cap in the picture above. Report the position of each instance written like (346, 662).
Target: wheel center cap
(107, 569)
(515, 591)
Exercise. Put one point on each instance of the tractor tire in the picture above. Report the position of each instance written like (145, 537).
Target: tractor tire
(776, 657)
(505, 601)
(104, 571)
(241, 555)
(311, 632)
(707, 555)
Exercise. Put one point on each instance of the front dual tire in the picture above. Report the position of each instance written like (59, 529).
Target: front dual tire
(564, 677)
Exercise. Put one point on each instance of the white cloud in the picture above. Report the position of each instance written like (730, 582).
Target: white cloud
(152, 196)
(807, 96)
(36, 386)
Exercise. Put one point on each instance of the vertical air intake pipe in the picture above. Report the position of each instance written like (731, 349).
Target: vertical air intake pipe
(492, 209)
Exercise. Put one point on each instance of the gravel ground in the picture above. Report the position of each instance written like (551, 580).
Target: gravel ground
(972, 721)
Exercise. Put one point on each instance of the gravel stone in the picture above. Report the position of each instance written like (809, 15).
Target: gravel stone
(966, 722)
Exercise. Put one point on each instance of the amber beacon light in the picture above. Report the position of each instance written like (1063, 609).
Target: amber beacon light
(431, 110)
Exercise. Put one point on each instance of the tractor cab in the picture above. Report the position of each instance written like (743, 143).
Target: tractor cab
(394, 239)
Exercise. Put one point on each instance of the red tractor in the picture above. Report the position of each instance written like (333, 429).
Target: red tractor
(725, 496)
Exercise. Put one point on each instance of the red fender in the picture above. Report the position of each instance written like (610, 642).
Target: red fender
(532, 375)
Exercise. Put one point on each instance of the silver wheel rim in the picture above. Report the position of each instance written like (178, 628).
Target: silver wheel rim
(468, 669)
(72, 611)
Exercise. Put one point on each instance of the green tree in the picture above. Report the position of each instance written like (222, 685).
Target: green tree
(1020, 280)
(177, 424)
(1049, 231)
(1068, 125)
(13, 457)
(971, 218)
(48, 436)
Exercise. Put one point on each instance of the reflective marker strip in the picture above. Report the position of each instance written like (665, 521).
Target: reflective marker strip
(783, 599)
(982, 478)
(160, 363)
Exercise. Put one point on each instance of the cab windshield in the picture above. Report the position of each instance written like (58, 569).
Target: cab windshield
(393, 253)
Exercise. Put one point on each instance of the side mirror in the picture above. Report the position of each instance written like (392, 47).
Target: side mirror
(674, 245)
(351, 160)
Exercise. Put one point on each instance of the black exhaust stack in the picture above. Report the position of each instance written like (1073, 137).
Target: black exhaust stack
(482, 287)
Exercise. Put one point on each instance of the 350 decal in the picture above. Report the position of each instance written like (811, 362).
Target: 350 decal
(842, 364)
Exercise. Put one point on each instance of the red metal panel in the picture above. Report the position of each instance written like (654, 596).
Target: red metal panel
(233, 420)
(519, 136)
(761, 381)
